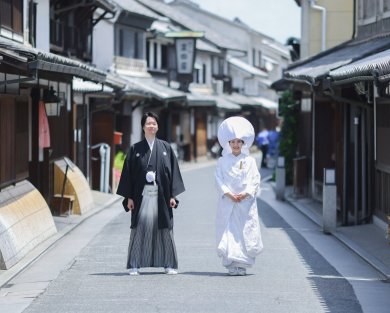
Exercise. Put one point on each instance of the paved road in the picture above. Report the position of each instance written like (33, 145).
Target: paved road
(291, 275)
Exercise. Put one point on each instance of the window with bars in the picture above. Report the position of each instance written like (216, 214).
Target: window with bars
(11, 16)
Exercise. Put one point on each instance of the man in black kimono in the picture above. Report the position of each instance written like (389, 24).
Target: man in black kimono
(150, 182)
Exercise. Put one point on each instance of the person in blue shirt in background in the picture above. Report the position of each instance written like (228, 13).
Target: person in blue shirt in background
(273, 146)
(262, 143)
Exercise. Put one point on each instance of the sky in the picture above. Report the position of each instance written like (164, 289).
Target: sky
(278, 19)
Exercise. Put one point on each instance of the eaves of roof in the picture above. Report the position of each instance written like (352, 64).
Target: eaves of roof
(79, 85)
(373, 67)
(246, 67)
(106, 5)
(325, 63)
(45, 61)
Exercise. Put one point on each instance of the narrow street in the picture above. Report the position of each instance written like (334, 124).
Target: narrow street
(291, 275)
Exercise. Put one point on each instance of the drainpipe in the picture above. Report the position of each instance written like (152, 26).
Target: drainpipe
(314, 6)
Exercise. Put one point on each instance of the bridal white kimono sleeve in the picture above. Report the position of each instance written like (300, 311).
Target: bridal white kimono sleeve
(237, 224)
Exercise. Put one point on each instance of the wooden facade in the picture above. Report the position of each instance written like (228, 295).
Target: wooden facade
(14, 138)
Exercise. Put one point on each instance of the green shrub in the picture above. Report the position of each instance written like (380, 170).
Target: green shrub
(289, 110)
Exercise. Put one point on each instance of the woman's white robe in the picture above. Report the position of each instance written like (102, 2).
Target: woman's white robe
(237, 223)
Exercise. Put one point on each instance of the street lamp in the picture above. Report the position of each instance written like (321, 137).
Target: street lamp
(185, 50)
(52, 102)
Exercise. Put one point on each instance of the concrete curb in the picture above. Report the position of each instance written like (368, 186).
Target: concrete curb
(378, 265)
(33, 255)
(382, 268)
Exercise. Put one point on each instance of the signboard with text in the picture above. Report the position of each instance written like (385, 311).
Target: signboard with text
(185, 50)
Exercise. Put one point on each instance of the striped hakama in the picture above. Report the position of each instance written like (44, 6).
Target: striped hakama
(150, 246)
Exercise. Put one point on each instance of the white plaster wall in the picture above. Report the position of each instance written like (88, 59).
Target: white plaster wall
(103, 45)
(237, 77)
(201, 58)
(136, 132)
(43, 24)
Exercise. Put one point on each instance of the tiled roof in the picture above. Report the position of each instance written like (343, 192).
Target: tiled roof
(323, 63)
(191, 24)
(50, 62)
(377, 65)
(80, 85)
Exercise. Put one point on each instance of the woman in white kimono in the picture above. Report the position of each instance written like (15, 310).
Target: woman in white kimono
(237, 180)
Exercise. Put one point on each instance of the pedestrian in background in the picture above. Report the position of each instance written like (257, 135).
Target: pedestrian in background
(150, 182)
(237, 180)
(262, 143)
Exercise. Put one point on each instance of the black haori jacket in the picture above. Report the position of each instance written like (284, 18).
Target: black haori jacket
(168, 179)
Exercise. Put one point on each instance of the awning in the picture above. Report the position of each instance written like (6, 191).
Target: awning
(241, 100)
(376, 65)
(49, 62)
(322, 64)
(199, 100)
(246, 67)
(266, 103)
(79, 85)
(202, 100)
(150, 88)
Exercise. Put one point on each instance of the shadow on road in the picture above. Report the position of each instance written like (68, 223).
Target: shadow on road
(336, 292)
(211, 274)
(110, 274)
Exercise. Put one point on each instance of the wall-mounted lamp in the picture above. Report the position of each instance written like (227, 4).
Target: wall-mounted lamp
(185, 50)
(52, 102)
